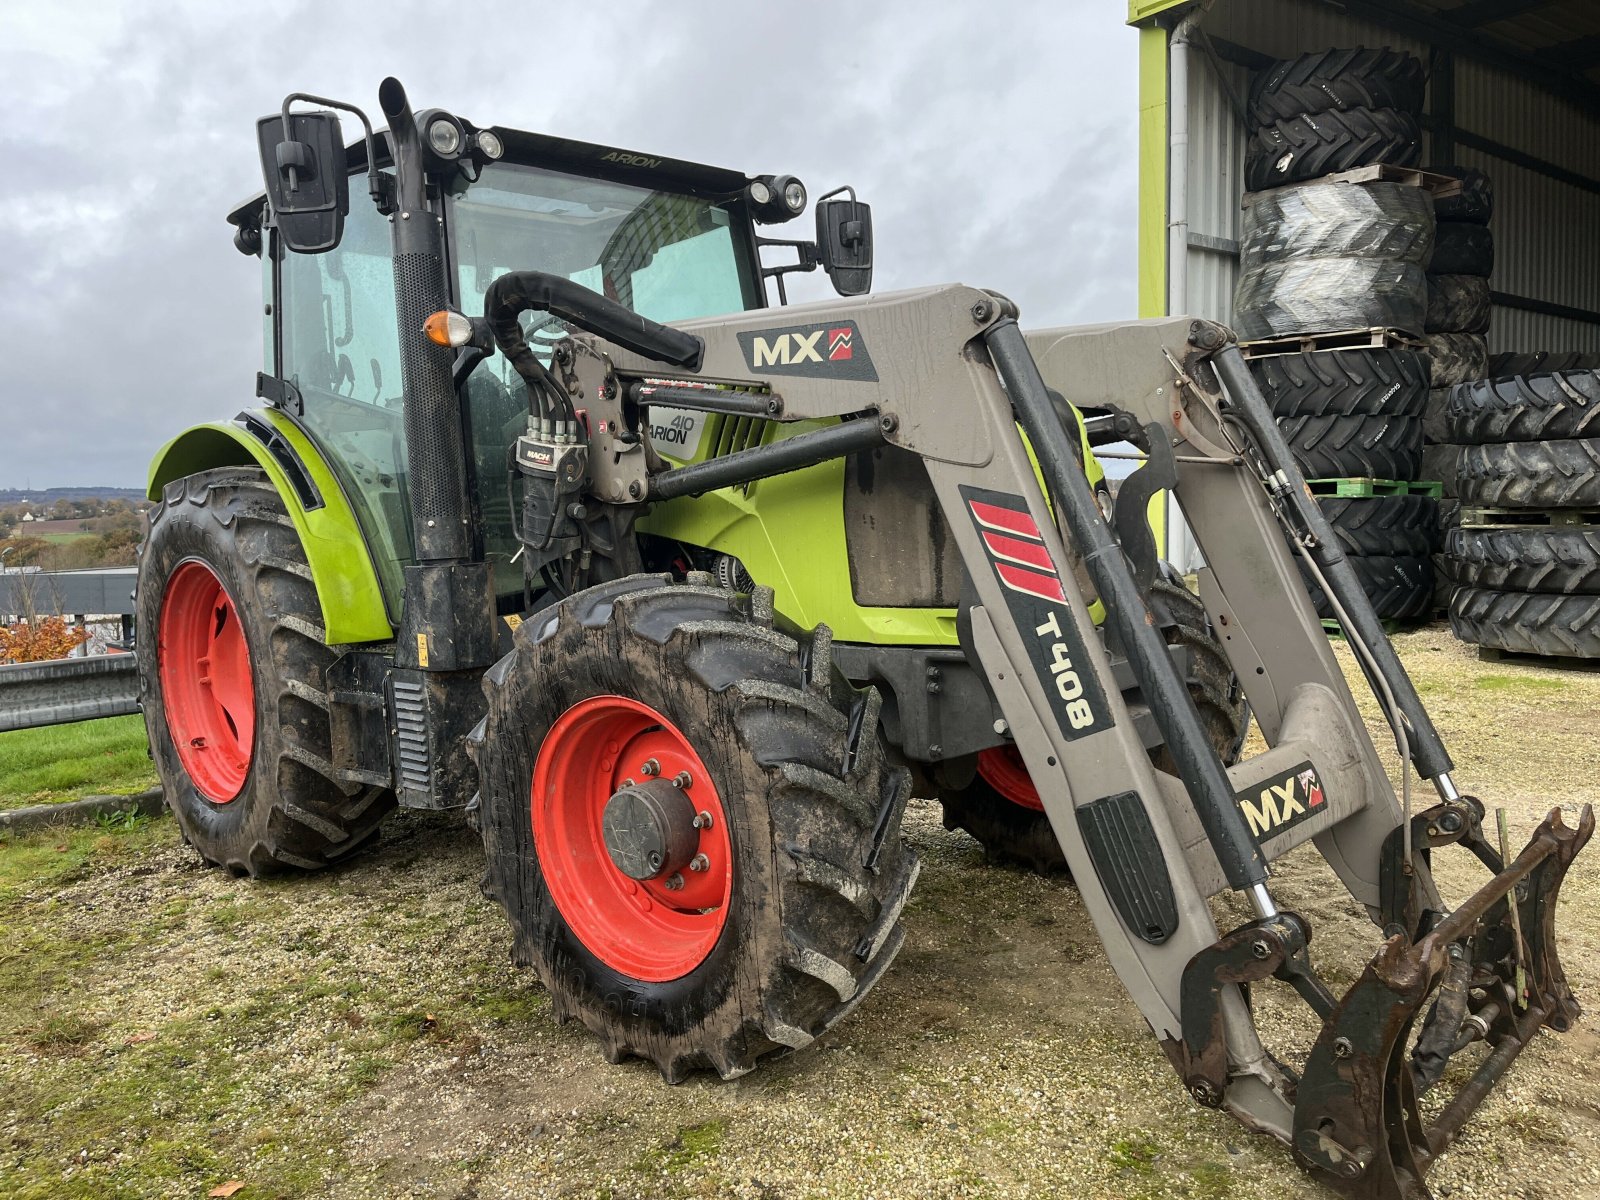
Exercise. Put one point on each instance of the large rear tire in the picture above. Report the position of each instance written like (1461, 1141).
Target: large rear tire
(1325, 295)
(1393, 525)
(1001, 807)
(1399, 586)
(1355, 447)
(1524, 623)
(1561, 474)
(1526, 408)
(1343, 383)
(231, 662)
(1560, 560)
(1309, 146)
(791, 910)
(1337, 79)
(1388, 221)
(1454, 358)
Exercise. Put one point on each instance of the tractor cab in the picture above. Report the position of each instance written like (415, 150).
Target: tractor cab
(668, 239)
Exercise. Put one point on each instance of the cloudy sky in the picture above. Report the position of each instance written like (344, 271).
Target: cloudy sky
(995, 142)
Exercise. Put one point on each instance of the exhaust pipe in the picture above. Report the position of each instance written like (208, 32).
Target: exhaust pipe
(435, 451)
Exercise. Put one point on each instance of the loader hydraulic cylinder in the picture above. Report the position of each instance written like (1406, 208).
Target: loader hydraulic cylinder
(1128, 618)
(1246, 402)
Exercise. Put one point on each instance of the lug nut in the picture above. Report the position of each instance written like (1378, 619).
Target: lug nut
(699, 863)
(682, 780)
(703, 821)
(675, 882)
(651, 768)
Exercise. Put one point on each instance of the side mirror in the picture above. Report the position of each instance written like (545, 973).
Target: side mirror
(844, 242)
(307, 181)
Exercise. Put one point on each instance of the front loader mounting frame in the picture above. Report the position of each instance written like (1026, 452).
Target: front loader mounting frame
(947, 374)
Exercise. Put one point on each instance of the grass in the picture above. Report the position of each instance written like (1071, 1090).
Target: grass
(362, 1033)
(108, 757)
(237, 1072)
(1511, 683)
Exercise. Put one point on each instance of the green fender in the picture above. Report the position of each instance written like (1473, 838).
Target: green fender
(341, 564)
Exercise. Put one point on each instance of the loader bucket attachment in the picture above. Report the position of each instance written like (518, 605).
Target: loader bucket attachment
(1356, 1115)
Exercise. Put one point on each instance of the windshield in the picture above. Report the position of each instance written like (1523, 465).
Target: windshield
(665, 255)
(668, 256)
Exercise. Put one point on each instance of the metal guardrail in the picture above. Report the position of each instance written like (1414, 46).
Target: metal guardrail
(33, 695)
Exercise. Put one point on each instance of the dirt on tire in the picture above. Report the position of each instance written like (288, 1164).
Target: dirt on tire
(812, 803)
(1564, 474)
(294, 811)
(1526, 408)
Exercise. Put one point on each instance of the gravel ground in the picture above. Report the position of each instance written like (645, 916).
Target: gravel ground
(165, 1030)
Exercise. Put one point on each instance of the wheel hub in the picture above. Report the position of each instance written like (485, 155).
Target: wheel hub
(207, 681)
(650, 829)
(632, 838)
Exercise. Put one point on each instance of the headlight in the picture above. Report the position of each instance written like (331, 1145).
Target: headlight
(489, 144)
(444, 135)
(775, 199)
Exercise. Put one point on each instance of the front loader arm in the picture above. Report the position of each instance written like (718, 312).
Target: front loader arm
(945, 373)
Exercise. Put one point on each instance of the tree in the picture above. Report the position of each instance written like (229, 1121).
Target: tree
(39, 640)
(25, 551)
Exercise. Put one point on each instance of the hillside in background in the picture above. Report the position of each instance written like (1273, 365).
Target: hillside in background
(51, 495)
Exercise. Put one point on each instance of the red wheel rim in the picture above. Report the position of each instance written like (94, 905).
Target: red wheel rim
(1002, 769)
(207, 686)
(641, 928)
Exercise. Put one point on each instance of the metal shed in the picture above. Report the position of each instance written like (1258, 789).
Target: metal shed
(1513, 89)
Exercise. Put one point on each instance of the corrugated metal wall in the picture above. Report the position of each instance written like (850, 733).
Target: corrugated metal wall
(1547, 232)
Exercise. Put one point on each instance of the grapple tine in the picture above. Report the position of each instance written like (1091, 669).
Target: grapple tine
(1356, 1118)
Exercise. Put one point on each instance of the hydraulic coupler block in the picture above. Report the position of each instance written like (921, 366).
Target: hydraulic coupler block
(555, 471)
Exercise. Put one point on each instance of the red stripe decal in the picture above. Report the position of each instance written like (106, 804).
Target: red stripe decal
(1020, 579)
(1030, 554)
(1005, 519)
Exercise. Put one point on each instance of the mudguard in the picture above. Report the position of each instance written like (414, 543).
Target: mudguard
(342, 567)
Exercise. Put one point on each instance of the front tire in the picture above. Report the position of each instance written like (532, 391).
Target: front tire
(231, 662)
(792, 911)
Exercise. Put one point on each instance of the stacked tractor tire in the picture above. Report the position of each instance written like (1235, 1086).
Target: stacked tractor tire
(1526, 551)
(1332, 303)
(1457, 325)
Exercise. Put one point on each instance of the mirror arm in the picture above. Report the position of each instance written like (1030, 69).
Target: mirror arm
(375, 182)
(810, 258)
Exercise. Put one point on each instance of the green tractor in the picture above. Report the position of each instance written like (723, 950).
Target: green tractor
(548, 516)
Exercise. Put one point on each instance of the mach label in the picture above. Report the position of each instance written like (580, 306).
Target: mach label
(832, 350)
(1038, 604)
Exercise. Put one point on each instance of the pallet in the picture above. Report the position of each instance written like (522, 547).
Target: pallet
(1377, 337)
(1440, 186)
(1374, 487)
(1477, 517)
(1390, 627)
(1558, 661)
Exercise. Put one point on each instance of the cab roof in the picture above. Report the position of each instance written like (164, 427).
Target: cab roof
(589, 159)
